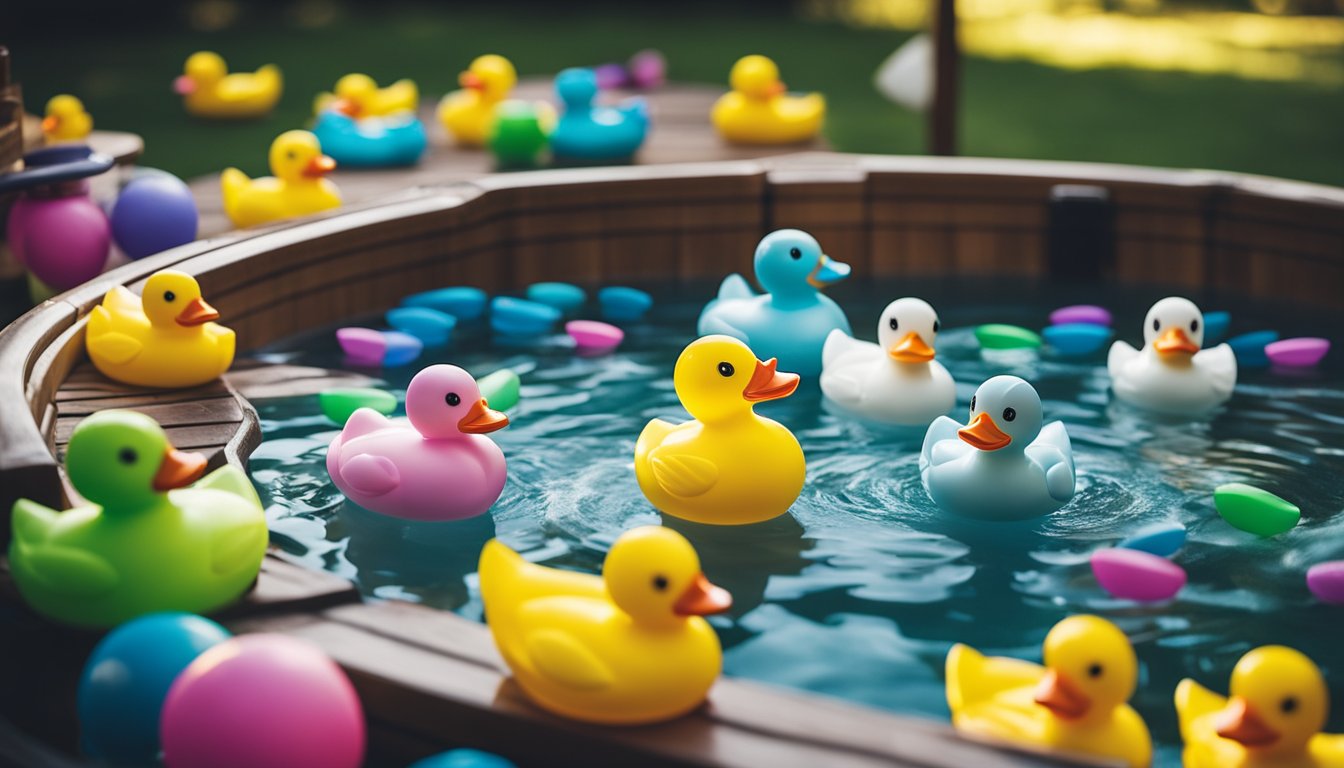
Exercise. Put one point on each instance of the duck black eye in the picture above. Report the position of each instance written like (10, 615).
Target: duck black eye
(972, 403)
(291, 154)
(452, 399)
(795, 253)
(1095, 671)
(1157, 324)
(936, 325)
(726, 370)
(127, 456)
(660, 582)
(894, 325)
(1288, 706)
(1194, 326)
(1009, 414)
(169, 296)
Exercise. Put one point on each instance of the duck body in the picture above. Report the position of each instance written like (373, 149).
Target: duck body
(793, 319)
(759, 111)
(193, 549)
(66, 121)
(209, 91)
(439, 465)
(371, 142)
(729, 466)
(359, 96)
(297, 188)
(984, 470)
(1058, 706)
(468, 115)
(587, 132)
(1172, 374)
(895, 381)
(590, 649)
(173, 344)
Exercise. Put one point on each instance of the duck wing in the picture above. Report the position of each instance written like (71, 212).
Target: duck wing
(1053, 453)
(562, 658)
(370, 474)
(683, 474)
(1121, 354)
(402, 95)
(942, 428)
(841, 349)
(116, 347)
(65, 570)
(1220, 368)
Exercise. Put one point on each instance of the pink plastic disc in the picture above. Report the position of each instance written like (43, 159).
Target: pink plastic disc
(1326, 581)
(1131, 574)
(594, 336)
(1297, 353)
(363, 345)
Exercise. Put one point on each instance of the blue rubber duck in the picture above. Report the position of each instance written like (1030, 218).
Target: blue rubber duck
(587, 132)
(371, 142)
(792, 319)
(1003, 465)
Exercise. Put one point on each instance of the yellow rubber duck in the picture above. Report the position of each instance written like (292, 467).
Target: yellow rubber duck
(729, 466)
(469, 114)
(625, 648)
(297, 188)
(759, 110)
(208, 90)
(359, 96)
(66, 120)
(1075, 703)
(165, 338)
(1279, 705)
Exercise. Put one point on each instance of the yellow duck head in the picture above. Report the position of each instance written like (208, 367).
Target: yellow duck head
(756, 77)
(1278, 702)
(491, 76)
(718, 377)
(653, 574)
(203, 69)
(62, 116)
(172, 299)
(1090, 669)
(296, 156)
(353, 93)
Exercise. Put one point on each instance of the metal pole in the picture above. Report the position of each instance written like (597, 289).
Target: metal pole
(942, 136)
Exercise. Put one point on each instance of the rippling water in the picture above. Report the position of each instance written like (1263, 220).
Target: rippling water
(859, 592)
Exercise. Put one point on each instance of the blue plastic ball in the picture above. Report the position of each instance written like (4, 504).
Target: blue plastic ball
(127, 677)
(1161, 539)
(463, 758)
(153, 213)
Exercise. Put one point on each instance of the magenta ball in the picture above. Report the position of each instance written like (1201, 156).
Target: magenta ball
(263, 701)
(63, 241)
(154, 213)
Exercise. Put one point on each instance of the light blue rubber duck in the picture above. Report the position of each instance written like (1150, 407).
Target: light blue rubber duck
(1003, 465)
(587, 132)
(792, 319)
(371, 142)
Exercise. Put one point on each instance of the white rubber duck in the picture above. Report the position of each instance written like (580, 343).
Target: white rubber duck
(896, 380)
(1171, 374)
(1003, 465)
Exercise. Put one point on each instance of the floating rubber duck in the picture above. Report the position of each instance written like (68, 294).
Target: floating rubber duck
(896, 380)
(759, 109)
(371, 142)
(1077, 702)
(728, 466)
(148, 542)
(208, 90)
(587, 132)
(469, 114)
(792, 320)
(1003, 465)
(66, 120)
(625, 648)
(359, 96)
(1172, 374)
(297, 188)
(1278, 707)
(165, 338)
(439, 466)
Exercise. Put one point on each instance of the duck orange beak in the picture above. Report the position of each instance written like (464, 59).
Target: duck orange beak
(1059, 695)
(984, 434)
(197, 312)
(1240, 723)
(482, 419)
(1174, 342)
(702, 598)
(50, 123)
(471, 80)
(911, 349)
(777, 88)
(319, 166)
(179, 468)
(346, 107)
(184, 85)
(769, 384)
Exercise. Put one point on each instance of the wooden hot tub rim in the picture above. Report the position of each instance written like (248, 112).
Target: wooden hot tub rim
(887, 215)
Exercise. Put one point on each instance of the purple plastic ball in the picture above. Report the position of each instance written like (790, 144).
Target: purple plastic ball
(62, 240)
(152, 214)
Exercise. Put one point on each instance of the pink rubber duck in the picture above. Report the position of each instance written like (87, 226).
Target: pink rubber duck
(440, 466)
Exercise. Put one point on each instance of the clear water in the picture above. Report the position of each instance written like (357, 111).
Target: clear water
(860, 591)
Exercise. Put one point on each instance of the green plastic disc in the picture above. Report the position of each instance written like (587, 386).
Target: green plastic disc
(501, 389)
(338, 404)
(1000, 336)
(1255, 510)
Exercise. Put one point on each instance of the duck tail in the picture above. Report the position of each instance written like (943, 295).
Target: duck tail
(232, 183)
(963, 665)
(497, 569)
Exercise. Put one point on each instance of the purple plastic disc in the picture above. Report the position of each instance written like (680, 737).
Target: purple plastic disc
(1131, 574)
(1081, 313)
(363, 346)
(1326, 581)
(1302, 352)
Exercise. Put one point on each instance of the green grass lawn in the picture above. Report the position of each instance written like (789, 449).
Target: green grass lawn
(1010, 109)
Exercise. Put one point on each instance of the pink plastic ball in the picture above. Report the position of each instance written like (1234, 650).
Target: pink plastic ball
(64, 241)
(263, 701)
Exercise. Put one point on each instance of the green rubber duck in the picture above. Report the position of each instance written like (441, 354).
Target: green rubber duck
(148, 542)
